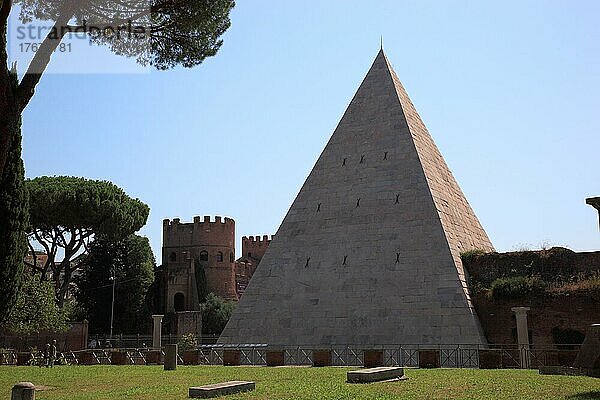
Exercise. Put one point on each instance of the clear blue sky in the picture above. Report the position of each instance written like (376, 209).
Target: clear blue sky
(509, 91)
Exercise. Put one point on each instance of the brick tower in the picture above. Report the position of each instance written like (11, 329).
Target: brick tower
(212, 244)
(253, 250)
(369, 251)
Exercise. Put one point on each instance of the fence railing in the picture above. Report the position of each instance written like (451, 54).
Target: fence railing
(445, 356)
(141, 341)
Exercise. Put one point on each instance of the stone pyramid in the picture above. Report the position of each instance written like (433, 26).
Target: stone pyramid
(369, 252)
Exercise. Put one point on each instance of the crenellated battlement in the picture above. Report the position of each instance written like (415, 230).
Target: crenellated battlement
(265, 239)
(207, 219)
(203, 231)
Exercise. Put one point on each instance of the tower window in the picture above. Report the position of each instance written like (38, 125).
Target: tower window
(249, 254)
(173, 256)
(385, 155)
(203, 255)
(362, 159)
(220, 256)
(343, 162)
(231, 257)
(179, 302)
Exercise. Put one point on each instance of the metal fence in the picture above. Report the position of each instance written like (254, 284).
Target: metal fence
(447, 356)
(141, 341)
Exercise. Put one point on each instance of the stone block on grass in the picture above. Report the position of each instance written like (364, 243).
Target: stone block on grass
(375, 374)
(220, 389)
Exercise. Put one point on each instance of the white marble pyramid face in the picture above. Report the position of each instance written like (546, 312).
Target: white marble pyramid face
(368, 253)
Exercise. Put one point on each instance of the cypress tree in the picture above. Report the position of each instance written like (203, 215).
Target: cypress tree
(200, 281)
(14, 217)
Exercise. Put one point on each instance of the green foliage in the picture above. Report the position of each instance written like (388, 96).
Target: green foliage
(469, 255)
(98, 206)
(215, 314)
(188, 342)
(178, 32)
(133, 263)
(13, 221)
(200, 281)
(67, 212)
(35, 310)
(517, 287)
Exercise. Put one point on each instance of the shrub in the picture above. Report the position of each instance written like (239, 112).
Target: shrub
(215, 314)
(188, 342)
(516, 287)
(470, 255)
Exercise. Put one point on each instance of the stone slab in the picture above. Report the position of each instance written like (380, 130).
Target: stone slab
(220, 389)
(170, 359)
(375, 374)
(23, 391)
(570, 371)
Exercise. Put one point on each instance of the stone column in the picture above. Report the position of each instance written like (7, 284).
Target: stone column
(522, 335)
(157, 332)
(23, 391)
(170, 357)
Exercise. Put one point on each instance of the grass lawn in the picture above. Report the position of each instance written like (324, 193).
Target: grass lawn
(151, 382)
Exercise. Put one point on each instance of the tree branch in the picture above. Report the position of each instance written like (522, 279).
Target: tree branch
(40, 61)
(41, 241)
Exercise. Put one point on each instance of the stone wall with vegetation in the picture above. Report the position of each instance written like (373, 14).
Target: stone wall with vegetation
(561, 287)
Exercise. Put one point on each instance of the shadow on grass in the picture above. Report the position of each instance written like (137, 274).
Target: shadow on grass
(593, 395)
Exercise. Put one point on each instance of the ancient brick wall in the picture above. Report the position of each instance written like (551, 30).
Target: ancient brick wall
(75, 338)
(558, 311)
(576, 311)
